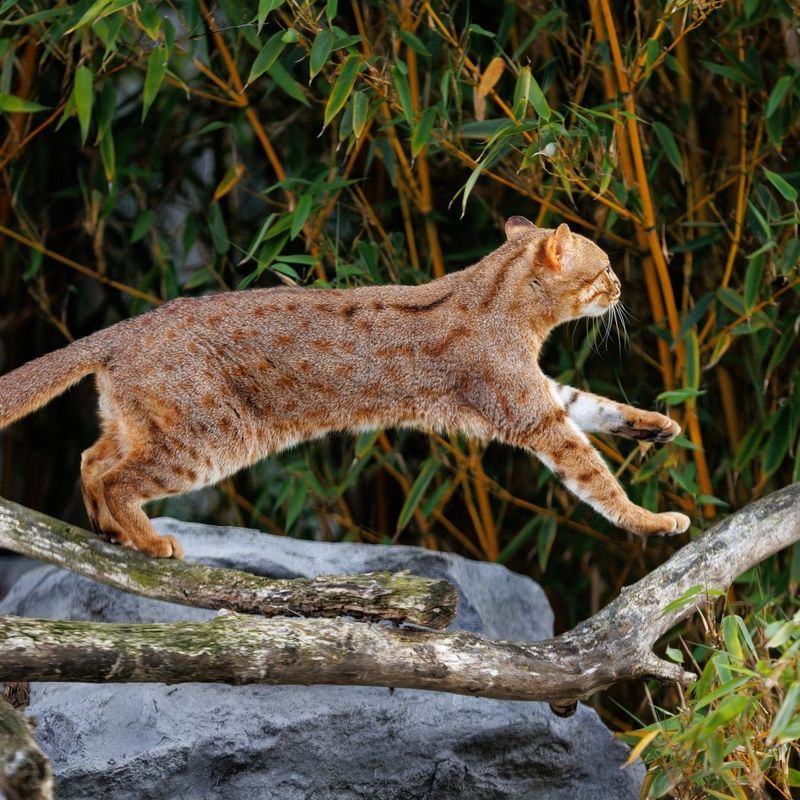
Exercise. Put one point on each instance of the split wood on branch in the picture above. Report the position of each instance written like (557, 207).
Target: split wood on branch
(399, 597)
(614, 645)
(25, 772)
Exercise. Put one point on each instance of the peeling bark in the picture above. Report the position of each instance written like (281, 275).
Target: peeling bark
(399, 597)
(614, 645)
(25, 772)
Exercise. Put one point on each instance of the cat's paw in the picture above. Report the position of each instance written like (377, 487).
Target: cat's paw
(670, 523)
(162, 547)
(650, 426)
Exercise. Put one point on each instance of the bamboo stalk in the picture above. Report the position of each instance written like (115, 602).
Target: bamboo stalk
(649, 235)
(130, 290)
(252, 117)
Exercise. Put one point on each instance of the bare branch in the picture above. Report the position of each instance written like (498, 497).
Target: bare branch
(614, 645)
(398, 597)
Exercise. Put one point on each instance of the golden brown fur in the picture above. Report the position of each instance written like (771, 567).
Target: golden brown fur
(201, 387)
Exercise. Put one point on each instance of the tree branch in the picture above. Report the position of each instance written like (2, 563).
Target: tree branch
(399, 597)
(25, 772)
(614, 645)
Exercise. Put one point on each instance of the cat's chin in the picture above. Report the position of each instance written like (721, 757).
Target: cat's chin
(597, 310)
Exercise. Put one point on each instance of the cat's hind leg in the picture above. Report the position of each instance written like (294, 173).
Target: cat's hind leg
(135, 479)
(99, 458)
(590, 412)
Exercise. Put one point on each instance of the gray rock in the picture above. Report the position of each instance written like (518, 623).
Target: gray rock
(11, 567)
(210, 741)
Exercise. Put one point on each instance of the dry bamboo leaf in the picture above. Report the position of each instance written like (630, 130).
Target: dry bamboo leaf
(490, 76)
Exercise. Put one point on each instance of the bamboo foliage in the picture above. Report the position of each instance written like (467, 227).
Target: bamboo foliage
(343, 145)
(152, 149)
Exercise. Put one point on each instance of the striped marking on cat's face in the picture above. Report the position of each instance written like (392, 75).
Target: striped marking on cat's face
(601, 293)
(587, 276)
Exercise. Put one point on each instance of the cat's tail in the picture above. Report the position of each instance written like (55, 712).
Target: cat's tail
(29, 387)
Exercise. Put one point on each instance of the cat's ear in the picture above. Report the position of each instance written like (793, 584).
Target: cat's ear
(518, 225)
(554, 248)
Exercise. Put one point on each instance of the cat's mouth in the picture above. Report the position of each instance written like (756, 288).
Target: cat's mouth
(601, 303)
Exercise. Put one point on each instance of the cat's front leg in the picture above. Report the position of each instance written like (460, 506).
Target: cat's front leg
(563, 448)
(590, 412)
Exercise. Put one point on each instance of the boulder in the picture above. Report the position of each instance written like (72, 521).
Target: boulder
(210, 741)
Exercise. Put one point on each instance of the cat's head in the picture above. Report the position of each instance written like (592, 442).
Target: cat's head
(572, 272)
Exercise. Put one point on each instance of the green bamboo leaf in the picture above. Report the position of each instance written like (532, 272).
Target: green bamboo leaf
(669, 145)
(779, 439)
(106, 107)
(108, 156)
(96, 11)
(150, 20)
(731, 299)
(760, 220)
(688, 597)
(468, 187)
(692, 367)
(435, 497)
(403, 90)
(752, 281)
(296, 503)
(414, 43)
(219, 234)
(522, 92)
(320, 51)
(267, 56)
(538, 100)
(725, 690)
(258, 238)
(18, 105)
(777, 94)
(286, 269)
(287, 83)
(732, 73)
(142, 225)
(365, 444)
(83, 94)
(360, 112)
(156, 69)
(342, 88)
(545, 540)
(265, 8)
(677, 396)
(331, 9)
(745, 634)
(732, 706)
(422, 130)
(782, 185)
(781, 350)
(429, 468)
(748, 448)
(674, 654)
(730, 633)
(300, 215)
(789, 708)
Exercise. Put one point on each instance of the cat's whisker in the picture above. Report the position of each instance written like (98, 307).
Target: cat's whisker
(609, 318)
(625, 311)
(619, 325)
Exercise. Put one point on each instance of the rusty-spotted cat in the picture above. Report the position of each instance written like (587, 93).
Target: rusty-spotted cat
(202, 387)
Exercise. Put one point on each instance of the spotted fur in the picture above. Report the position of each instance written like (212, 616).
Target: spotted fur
(202, 387)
